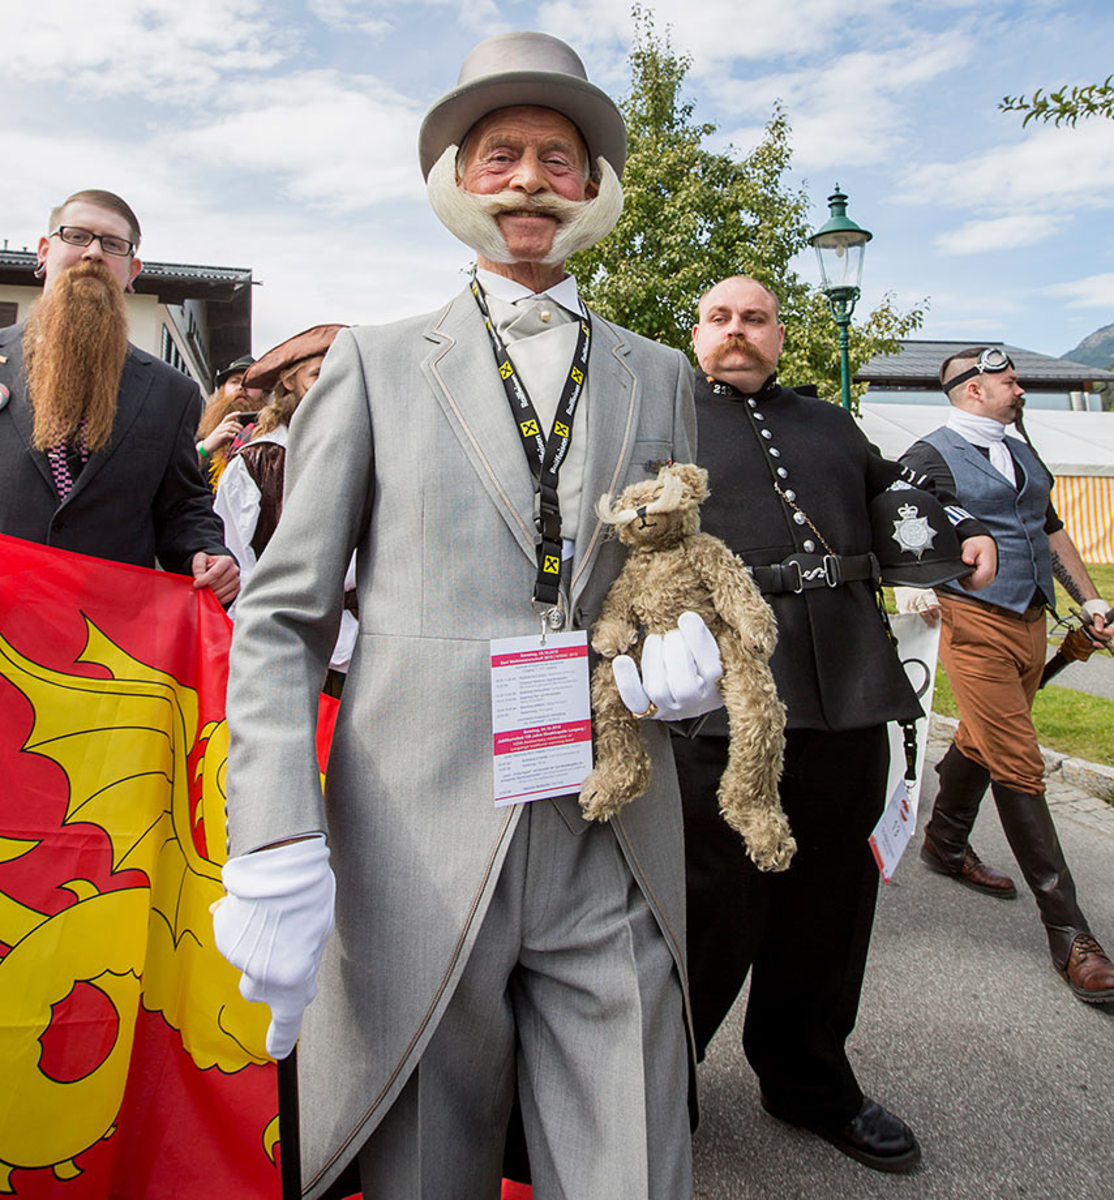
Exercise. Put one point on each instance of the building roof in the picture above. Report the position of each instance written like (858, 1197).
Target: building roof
(226, 291)
(171, 282)
(917, 365)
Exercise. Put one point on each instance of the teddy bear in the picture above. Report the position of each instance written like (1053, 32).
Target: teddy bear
(672, 568)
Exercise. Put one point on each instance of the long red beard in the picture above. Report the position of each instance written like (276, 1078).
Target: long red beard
(74, 348)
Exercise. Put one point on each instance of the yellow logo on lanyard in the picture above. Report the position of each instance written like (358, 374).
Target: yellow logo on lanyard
(529, 428)
(560, 430)
(505, 370)
(552, 565)
(577, 375)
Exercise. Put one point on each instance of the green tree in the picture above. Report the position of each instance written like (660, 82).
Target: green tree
(694, 216)
(1066, 106)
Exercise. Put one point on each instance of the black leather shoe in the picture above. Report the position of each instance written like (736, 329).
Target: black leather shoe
(874, 1136)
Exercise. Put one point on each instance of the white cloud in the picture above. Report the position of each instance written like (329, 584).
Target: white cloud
(1000, 233)
(340, 143)
(715, 30)
(1054, 170)
(155, 48)
(348, 15)
(1094, 291)
(854, 109)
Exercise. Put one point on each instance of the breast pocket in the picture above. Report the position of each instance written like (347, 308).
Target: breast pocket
(647, 460)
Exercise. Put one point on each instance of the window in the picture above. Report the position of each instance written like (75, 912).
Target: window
(171, 354)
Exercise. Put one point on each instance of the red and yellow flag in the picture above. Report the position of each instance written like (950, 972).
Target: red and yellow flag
(131, 1067)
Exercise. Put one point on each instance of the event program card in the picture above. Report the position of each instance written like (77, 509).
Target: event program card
(540, 716)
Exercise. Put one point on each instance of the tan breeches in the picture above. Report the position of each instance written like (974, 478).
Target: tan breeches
(994, 663)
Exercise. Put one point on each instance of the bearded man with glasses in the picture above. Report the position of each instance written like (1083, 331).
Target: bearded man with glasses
(993, 649)
(96, 436)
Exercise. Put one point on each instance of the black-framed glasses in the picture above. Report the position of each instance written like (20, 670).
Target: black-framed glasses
(992, 361)
(74, 235)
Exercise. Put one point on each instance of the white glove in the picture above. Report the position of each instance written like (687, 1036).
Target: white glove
(914, 600)
(1096, 608)
(273, 925)
(918, 600)
(680, 670)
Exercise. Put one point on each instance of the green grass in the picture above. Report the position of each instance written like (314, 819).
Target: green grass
(1071, 722)
(1102, 575)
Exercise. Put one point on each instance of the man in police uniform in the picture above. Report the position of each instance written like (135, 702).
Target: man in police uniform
(993, 649)
(790, 479)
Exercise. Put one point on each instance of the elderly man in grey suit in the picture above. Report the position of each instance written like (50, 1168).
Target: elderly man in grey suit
(96, 436)
(477, 946)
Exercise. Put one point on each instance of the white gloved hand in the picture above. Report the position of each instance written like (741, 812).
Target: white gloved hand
(680, 670)
(273, 925)
(1096, 608)
(918, 600)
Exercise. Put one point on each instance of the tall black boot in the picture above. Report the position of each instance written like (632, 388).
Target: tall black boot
(946, 849)
(1032, 837)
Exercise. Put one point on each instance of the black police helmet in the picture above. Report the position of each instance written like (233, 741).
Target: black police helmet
(913, 539)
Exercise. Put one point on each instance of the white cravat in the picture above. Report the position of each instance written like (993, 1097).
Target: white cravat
(540, 331)
(988, 433)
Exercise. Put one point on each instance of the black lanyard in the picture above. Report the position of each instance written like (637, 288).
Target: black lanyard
(544, 454)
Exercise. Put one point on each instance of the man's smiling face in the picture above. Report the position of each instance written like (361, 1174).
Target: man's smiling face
(530, 153)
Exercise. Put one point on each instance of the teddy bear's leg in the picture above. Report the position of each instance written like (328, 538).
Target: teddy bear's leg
(748, 790)
(622, 770)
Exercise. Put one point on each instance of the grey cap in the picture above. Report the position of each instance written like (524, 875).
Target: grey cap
(515, 69)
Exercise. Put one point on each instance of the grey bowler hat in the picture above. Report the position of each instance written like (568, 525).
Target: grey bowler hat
(514, 69)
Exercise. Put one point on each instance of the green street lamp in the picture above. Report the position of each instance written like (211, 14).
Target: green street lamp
(840, 248)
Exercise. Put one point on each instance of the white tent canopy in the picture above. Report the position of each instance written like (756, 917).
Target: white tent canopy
(1077, 447)
(1070, 443)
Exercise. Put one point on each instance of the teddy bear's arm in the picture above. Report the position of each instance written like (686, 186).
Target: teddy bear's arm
(616, 629)
(735, 595)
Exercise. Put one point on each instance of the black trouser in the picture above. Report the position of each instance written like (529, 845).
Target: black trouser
(804, 932)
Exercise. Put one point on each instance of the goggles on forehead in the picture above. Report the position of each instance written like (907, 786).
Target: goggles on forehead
(990, 361)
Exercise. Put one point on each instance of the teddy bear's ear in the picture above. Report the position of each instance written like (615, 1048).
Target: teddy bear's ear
(694, 478)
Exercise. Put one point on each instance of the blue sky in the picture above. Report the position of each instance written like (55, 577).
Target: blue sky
(282, 137)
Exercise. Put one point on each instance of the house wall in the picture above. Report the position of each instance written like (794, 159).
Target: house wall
(149, 325)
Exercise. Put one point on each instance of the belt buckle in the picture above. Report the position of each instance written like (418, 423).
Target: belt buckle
(792, 562)
(831, 570)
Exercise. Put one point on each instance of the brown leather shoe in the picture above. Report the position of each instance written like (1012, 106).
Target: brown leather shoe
(1089, 973)
(974, 873)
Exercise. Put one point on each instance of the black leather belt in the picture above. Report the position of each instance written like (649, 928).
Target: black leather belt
(803, 572)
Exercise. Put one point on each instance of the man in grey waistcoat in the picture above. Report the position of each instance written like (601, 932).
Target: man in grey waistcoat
(476, 946)
(993, 648)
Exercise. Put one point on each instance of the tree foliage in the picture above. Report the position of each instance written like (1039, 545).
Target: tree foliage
(1066, 106)
(694, 216)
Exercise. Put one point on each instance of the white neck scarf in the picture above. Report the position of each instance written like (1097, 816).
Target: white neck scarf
(988, 433)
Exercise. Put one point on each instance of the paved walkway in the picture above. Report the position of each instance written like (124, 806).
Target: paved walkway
(965, 1030)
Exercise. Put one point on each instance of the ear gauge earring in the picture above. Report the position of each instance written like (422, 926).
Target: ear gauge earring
(129, 288)
(39, 271)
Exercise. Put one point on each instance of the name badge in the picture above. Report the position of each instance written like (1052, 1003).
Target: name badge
(540, 716)
(894, 829)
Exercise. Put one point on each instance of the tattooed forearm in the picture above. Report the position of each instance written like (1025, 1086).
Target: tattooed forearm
(1066, 578)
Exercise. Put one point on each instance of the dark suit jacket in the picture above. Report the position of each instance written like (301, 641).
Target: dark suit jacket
(139, 499)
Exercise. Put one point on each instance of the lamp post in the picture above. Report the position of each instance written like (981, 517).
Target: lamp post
(840, 247)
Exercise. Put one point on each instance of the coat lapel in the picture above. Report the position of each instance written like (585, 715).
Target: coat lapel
(613, 401)
(977, 460)
(19, 403)
(461, 371)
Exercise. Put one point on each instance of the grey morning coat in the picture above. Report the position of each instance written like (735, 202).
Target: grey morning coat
(405, 451)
